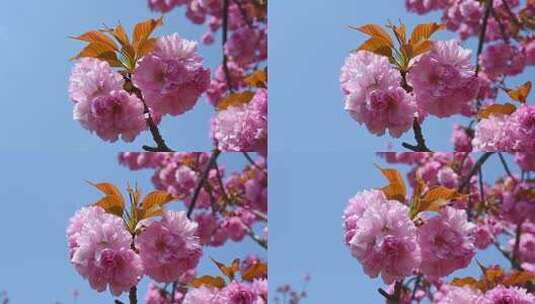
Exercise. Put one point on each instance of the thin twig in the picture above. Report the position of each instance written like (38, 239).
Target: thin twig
(482, 34)
(516, 249)
(416, 286)
(161, 146)
(224, 31)
(260, 241)
(420, 140)
(505, 166)
(132, 295)
(474, 170)
(204, 176)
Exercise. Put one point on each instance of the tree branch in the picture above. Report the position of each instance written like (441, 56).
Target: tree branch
(483, 33)
(161, 146)
(474, 170)
(224, 31)
(420, 140)
(204, 176)
(132, 295)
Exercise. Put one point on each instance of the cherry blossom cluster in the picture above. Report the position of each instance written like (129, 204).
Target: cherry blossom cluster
(114, 247)
(170, 79)
(226, 208)
(415, 244)
(240, 124)
(109, 254)
(122, 86)
(253, 291)
(392, 90)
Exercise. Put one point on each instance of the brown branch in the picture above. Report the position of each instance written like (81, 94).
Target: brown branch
(506, 167)
(516, 249)
(419, 137)
(226, 71)
(161, 146)
(482, 34)
(204, 176)
(132, 295)
(474, 170)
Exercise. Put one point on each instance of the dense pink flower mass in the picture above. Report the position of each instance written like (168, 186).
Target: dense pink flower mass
(384, 239)
(502, 59)
(494, 134)
(523, 120)
(169, 248)
(374, 96)
(201, 295)
(446, 243)
(100, 251)
(526, 160)
(172, 77)
(443, 80)
(100, 103)
(456, 295)
(424, 6)
(243, 127)
(509, 295)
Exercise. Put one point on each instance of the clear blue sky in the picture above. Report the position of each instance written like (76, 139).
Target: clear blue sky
(35, 51)
(39, 193)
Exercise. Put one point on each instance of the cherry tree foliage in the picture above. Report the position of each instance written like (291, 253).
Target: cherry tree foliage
(417, 241)
(398, 78)
(115, 242)
(124, 85)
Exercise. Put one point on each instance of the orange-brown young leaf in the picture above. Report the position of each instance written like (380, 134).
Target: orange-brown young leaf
(113, 202)
(228, 271)
(98, 37)
(257, 79)
(217, 282)
(497, 109)
(377, 46)
(158, 198)
(519, 278)
(521, 93)
(235, 99)
(377, 32)
(396, 189)
(258, 270)
(437, 197)
(424, 32)
(466, 281)
(143, 31)
(99, 51)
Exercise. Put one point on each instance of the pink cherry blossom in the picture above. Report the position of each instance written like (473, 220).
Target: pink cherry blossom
(446, 243)
(456, 295)
(172, 77)
(501, 294)
(201, 295)
(102, 252)
(385, 241)
(91, 78)
(116, 114)
(243, 127)
(502, 59)
(169, 248)
(443, 79)
(373, 95)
